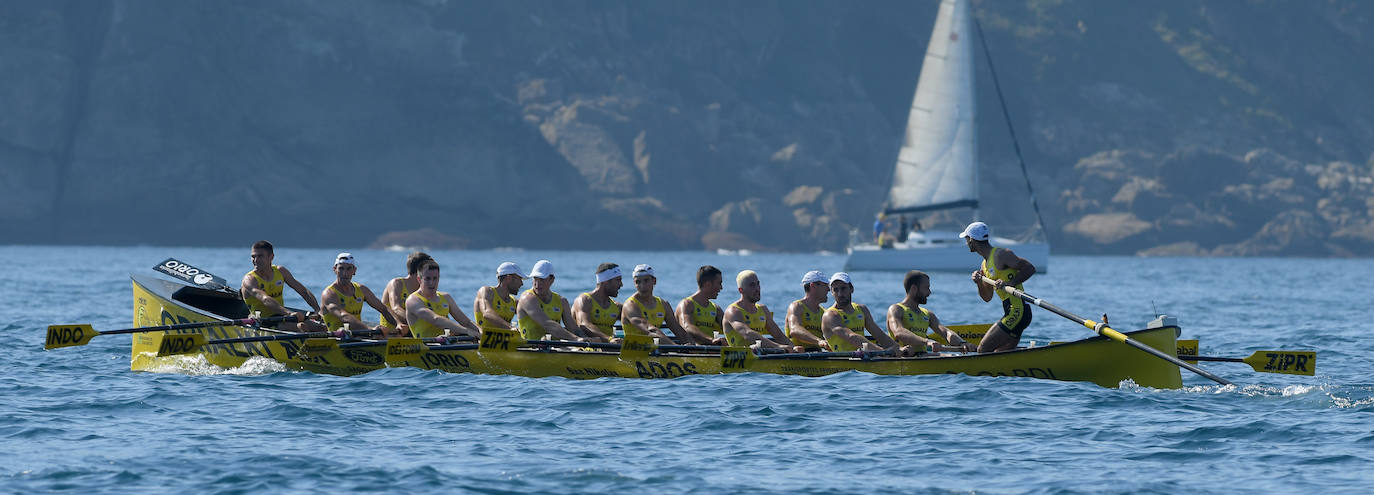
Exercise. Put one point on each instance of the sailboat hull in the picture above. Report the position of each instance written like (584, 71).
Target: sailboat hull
(938, 256)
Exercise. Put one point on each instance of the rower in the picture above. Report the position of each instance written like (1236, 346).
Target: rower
(643, 313)
(495, 306)
(541, 311)
(909, 323)
(262, 287)
(343, 300)
(597, 311)
(400, 288)
(432, 313)
(844, 322)
(700, 316)
(804, 315)
(746, 319)
(1001, 267)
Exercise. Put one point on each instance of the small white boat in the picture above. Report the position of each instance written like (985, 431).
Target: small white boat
(937, 166)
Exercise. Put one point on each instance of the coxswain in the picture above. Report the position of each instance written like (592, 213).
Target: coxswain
(1000, 268)
(700, 316)
(262, 288)
(909, 323)
(643, 313)
(804, 315)
(541, 311)
(747, 319)
(844, 322)
(495, 304)
(343, 300)
(432, 313)
(597, 311)
(400, 288)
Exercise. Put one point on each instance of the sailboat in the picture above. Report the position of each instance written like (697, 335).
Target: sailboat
(937, 165)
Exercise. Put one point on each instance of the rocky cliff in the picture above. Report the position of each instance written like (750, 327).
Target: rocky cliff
(1228, 128)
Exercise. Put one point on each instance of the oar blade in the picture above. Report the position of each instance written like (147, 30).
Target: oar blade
(636, 347)
(1284, 362)
(169, 344)
(68, 336)
(403, 352)
(736, 359)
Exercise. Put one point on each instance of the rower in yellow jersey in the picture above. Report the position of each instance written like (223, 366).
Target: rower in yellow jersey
(845, 321)
(541, 311)
(747, 319)
(495, 304)
(643, 312)
(804, 315)
(432, 313)
(597, 311)
(909, 323)
(700, 316)
(262, 288)
(343, 300)
(400, 288)
(1004, 268)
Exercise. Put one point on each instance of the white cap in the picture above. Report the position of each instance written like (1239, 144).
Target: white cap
(841, 276)
(812, 277)
(344, 259)
(643, 270)
(542, 269)
(509, 268)
(608, 274)
(977, 231)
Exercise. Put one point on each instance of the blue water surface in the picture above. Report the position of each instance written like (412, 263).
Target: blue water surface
(79, 420)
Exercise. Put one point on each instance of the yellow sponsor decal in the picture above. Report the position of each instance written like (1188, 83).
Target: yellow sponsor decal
(496, 339)
(735, 358)
(313, 348)
(1187, 347)
(636, 347)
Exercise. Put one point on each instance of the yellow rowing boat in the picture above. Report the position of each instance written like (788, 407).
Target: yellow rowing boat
(163, 302)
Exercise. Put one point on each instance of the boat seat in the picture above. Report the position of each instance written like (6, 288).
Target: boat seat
(223, 303)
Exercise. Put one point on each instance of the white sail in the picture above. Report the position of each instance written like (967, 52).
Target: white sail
(937, 167)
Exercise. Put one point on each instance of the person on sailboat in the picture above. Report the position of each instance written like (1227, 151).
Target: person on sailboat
(398, 289)
(343, 300)
(845, 321)
(909, 323)
(261, 290)
(700, 316)
(804, 315)
(746, 320)
(883, 239)
(597, 311)
(1001, 267)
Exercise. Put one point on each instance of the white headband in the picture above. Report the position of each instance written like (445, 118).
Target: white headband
(609, 274)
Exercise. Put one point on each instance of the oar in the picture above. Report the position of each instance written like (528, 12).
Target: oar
(194, 345)
(1106, 331)
(824, 355)
(75, 335)
(1282, 362)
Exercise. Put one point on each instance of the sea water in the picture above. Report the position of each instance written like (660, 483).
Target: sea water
(78, 419)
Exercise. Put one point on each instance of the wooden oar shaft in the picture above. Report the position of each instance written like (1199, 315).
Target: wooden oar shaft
(1106, 331)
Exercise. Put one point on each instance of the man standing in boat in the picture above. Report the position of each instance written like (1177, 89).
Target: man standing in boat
(597, 311)
(643, 313)
(541, 311)
(699, 315)
(400, 288)
(1001, 268)
(432, 313)
(495, 304)
(343, 300)
(844, 322)
(909, 323)
(747, 319)
(262, 287)
(804, 315)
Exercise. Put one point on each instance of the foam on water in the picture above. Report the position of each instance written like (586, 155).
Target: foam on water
(198, 365)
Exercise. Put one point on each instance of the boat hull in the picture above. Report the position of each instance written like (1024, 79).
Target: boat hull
(950, 256)
(1095, 360)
